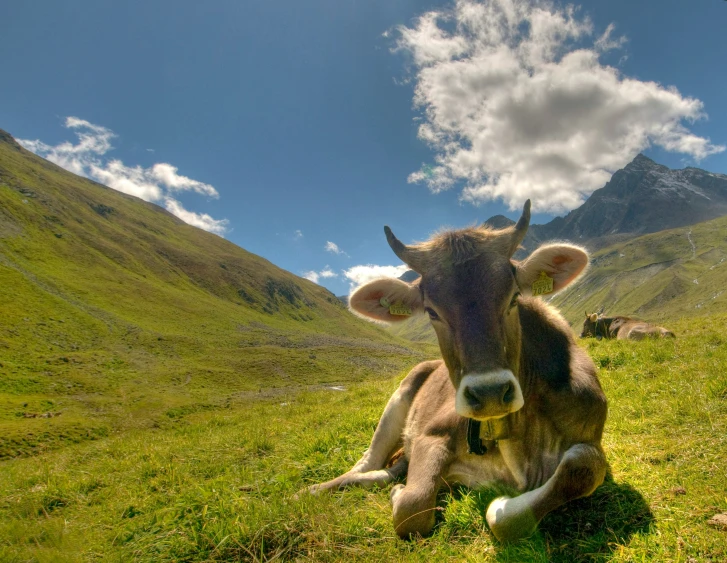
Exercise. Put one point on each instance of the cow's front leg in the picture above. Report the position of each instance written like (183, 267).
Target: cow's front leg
(414, 503)
(581, 470)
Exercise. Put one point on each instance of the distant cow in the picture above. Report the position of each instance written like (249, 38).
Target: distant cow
(621, 328)
(514, 401)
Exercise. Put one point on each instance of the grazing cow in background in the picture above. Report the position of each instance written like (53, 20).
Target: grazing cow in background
(514, 399)
(621, 328)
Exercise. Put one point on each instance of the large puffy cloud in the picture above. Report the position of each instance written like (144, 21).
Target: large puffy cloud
(517, 104)
(155, 184)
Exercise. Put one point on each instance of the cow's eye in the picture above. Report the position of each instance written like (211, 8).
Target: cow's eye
(513, 301)
(432, 314)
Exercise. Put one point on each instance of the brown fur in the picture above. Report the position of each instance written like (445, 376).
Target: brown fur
(493, 344)
(622, 328)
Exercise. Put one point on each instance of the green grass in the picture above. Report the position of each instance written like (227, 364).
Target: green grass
(217, 484)
(116, 315)
(164, 394)
(655, 277)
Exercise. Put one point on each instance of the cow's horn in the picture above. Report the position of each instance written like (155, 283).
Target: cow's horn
(522, 227)
(407, 255)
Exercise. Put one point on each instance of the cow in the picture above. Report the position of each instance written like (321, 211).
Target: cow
(621, 328)
(514, 400)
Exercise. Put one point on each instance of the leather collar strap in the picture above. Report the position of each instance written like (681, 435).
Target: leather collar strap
(474, 444)
(490, 430)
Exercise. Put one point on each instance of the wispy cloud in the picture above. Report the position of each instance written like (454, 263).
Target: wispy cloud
(156, 184)
(333, 247)
(517, 103)
(359, 275)
(298, 235)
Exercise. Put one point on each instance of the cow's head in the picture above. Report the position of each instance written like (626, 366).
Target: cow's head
(589, 325)
(470, 287)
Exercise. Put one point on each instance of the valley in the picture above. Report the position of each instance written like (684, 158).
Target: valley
(117, 315)
(164, 394)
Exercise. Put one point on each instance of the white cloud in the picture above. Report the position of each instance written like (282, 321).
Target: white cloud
(166, 174)
(312, 276)
(201, 220)
(298, 235)
(130, 180)
(324, 273)
(155, 184)
(333, 247)
(328, 273)
(516, 103)
(359, 275)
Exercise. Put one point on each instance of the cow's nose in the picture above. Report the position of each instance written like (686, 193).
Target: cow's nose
(478, 396)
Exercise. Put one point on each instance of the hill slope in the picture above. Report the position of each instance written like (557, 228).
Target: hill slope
(665, 275)
(115, 310)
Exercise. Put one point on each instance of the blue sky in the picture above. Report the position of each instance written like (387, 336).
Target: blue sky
(298, 129)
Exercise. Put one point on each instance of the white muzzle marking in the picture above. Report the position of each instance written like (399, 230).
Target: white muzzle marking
(496, 378)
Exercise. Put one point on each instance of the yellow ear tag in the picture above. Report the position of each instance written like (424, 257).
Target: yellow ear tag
(399, 309)
(543, 285)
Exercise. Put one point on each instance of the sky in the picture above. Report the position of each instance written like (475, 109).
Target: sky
(297, 130)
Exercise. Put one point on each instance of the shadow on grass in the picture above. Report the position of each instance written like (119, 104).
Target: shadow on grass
(592, 528)
(587, 529)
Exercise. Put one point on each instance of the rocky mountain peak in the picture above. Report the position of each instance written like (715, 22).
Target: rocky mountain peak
(499, 222)
(643, 197)
(639, 162)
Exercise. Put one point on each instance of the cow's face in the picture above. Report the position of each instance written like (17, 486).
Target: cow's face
(589, 325)
(473, 309)
(470, 288)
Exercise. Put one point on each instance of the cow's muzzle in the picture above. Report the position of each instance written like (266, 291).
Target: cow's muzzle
(488, 395)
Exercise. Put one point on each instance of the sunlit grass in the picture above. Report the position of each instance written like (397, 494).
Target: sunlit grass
(218, 485)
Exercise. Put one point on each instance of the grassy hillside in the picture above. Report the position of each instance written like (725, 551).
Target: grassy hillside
(416, 328)
(658, 277)
(661, 276)
(163, 395)
(116, 314)
(219, 486)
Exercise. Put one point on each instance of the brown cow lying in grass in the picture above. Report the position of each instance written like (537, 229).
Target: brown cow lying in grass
(514, 400)
(621, 328)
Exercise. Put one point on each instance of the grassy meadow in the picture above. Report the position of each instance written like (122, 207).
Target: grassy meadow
(217, 484)
(164, 394)
(115, 315)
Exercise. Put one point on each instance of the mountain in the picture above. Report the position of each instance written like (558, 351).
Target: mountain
(644, 197)
(116, 313)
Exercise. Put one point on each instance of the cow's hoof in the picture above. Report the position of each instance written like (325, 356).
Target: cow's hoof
(304, 492)
(395, 492)
(510, 519)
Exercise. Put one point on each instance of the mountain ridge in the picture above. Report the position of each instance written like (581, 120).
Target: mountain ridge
(641, 198)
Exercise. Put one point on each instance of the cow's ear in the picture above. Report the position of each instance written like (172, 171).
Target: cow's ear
(562, 263)
(594, 317)
(388, 299)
